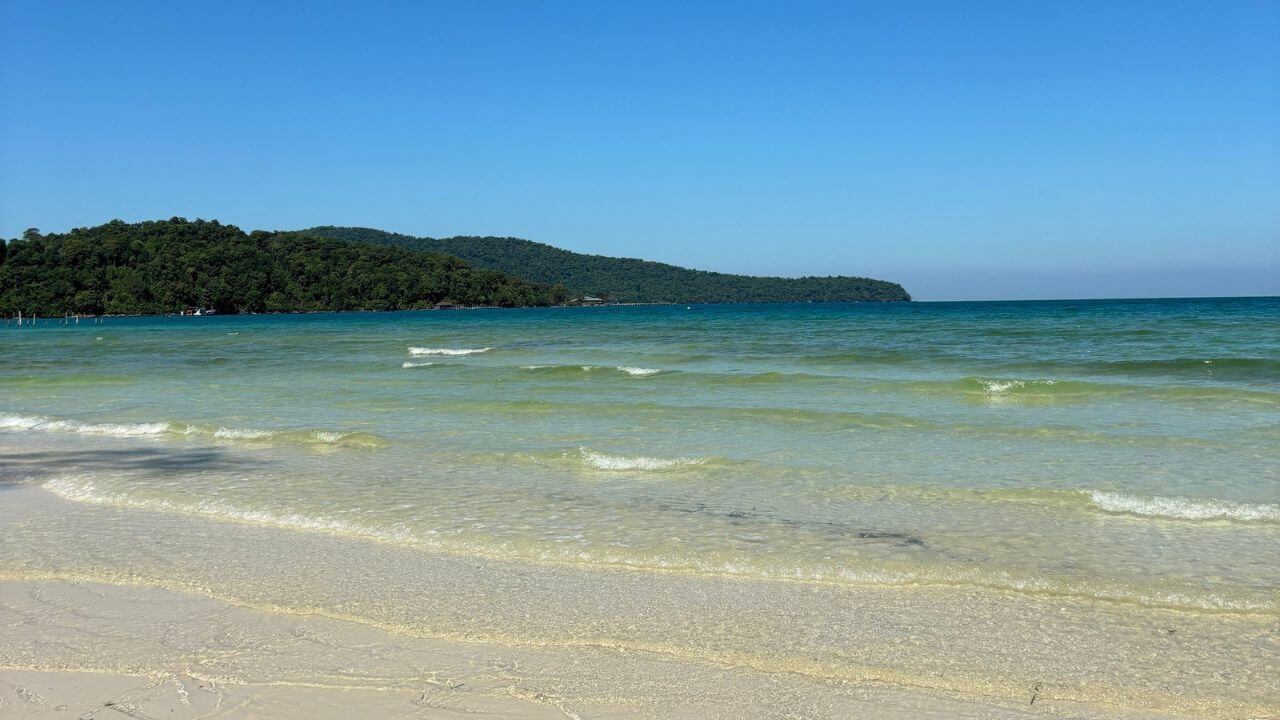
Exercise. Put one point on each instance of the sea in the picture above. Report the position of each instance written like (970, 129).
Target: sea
(973, 497)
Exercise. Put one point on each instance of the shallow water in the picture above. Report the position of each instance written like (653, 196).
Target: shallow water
(1121, 453)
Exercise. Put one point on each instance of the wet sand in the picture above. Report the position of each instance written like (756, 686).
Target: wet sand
(107, 612)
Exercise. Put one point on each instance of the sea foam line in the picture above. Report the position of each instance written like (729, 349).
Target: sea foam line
(1084, 500)
(44, 424)
(625, 369)
(86, 490)
(605, 461)
(35, 423)
(638, 371)
(1182, 508)
(997, 386)
(447, 351)
(226, 433)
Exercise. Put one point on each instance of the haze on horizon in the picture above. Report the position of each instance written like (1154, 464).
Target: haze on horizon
(965, 150)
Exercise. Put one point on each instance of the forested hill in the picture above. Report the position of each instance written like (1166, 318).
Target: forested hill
(168, 266)
(626, 279)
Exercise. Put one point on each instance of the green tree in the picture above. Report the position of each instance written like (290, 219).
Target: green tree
(169, 266)
(626, 279)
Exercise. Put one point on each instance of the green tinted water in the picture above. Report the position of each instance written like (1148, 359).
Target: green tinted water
(1120, 450)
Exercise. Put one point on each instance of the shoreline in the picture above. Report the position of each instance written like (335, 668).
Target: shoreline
(176, 609)
(1042, 301)
(33, 318)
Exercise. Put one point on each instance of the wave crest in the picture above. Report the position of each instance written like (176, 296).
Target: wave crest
(419, 351)
(638, 371)
(575, 370)
(1082, 500)
(347, 438)
(605, 461)
(1182, 508)
(44, 424)
(87, 491)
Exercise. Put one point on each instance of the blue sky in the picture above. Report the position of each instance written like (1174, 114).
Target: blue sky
(965, 149)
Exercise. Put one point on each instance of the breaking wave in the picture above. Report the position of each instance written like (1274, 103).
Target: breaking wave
(605, 461)
(638, 371)
(575, 370)
(1001, 387)
(1075, 500)
(1182, 508)
(87, 491)
(33, 423)
(43, 424)
(418, 351)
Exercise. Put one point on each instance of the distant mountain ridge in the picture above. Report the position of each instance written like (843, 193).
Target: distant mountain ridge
(624, 279)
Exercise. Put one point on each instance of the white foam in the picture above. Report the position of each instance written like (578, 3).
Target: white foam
(19, 422)
(117, 429)
(1184, 508)
(43, 424)
(85, 490)
(412, 364)
(1000, 387)
(322, 437)
(447, 351)
(241, 434)
(997, 387)
(638, 371)
(328, 436)
(604, 461)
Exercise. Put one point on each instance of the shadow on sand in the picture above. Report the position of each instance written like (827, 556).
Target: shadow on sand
(34, 466)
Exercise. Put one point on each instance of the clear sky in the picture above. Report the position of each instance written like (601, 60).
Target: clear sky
(966, 149)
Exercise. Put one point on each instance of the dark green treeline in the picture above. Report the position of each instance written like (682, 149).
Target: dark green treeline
(168, 266)
(627, 279)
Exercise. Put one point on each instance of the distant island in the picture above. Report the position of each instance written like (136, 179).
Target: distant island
(176, 265)
(626, 279)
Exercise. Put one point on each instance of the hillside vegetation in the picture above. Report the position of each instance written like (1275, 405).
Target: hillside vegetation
(625, 279)
(168, 266)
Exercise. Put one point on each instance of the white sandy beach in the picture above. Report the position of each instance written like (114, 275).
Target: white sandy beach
(191, 636)
(108, 651)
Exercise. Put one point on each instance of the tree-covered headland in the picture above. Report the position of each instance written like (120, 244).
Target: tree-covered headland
(173, 265)
(168, 266)
(627, 279)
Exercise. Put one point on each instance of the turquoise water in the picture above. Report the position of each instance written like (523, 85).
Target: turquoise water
(968, 498)
(1121, 450)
